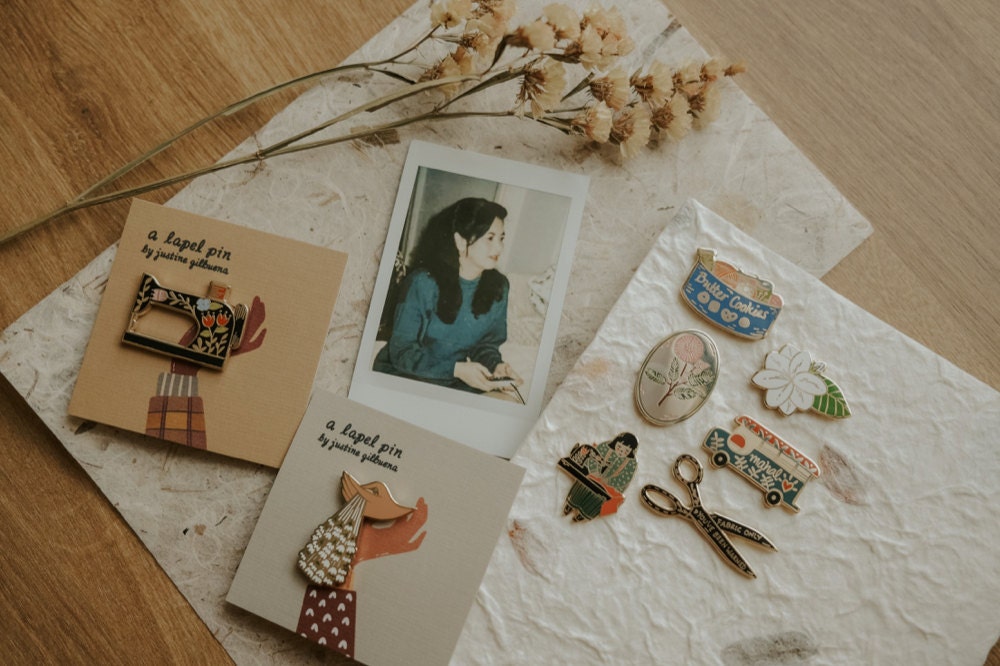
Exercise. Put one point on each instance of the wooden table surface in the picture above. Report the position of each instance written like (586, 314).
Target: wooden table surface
(897, 103)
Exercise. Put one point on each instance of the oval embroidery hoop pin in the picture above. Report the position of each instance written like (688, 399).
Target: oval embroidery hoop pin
(676, 378)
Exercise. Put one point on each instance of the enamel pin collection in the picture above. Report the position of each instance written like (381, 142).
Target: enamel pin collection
(219, 326)
(712, 526)
(676, 379)
(745, 305)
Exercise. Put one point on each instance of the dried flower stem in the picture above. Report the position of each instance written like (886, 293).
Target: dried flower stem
(242, 104)
(246, 159)
(282, 147)
(617, 109)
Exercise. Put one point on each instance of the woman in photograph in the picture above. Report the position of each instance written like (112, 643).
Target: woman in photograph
(452, 314)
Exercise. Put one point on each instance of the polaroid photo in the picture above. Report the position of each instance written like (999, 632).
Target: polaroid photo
(466, 306)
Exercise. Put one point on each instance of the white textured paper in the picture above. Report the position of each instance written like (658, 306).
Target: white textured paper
(892, 559)
(195, 511)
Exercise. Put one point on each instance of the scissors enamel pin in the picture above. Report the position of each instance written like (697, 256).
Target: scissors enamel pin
(710, 525)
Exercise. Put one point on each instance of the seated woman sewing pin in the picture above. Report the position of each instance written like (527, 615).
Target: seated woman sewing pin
(452, 316)
(610, 467)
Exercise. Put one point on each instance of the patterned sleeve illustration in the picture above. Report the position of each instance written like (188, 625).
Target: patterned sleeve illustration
(177, 413)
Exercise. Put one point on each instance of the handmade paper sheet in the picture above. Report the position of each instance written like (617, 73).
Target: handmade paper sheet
(891, 560)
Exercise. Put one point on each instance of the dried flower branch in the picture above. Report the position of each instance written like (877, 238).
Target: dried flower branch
(471, 48)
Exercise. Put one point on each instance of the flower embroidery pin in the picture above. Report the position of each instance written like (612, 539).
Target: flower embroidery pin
(676, 378)
(793, 381)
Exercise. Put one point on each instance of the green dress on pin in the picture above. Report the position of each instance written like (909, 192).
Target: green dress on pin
(612, 469)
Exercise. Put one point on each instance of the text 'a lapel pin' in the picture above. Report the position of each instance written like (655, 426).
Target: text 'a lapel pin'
(326, 560)
(777, 468)
(743, 304)
(712, 526)
(676, 378)
(793, 381)
(218, 326)
(600, 472)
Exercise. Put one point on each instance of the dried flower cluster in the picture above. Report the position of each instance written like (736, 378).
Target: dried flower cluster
(568, 71)
(607, 105)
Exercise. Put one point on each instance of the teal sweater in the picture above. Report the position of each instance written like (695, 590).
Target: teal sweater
(426, 348)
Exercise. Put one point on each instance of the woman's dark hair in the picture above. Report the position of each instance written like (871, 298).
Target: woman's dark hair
(629, 440)
(436, 253)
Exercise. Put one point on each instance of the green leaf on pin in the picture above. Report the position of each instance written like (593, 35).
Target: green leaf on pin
(832, 403)
(656, 376)
(675, 370)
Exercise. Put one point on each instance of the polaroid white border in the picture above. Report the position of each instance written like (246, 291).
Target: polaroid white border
(493, 426)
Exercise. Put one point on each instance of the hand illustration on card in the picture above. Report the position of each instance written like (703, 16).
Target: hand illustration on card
(329, 607)
(177, 413)
(318, 562)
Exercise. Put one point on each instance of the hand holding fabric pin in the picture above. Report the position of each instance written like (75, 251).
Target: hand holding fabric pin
(711, 525)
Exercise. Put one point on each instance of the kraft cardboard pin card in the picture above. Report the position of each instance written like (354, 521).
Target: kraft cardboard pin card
(375, 535)
(208, 334)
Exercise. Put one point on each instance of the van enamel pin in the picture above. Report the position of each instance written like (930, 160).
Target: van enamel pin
(743, 304)
(793, 381)
(764, 459)
(676, 378)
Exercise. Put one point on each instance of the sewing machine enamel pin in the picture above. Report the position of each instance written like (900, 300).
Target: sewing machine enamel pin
(745, 305)
(763, 459)
(219, 325)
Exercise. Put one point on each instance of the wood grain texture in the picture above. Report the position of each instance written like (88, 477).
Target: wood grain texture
(85, 87)
(897, 103)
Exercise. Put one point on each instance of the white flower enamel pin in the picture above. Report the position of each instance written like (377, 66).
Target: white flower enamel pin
(793, 381)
